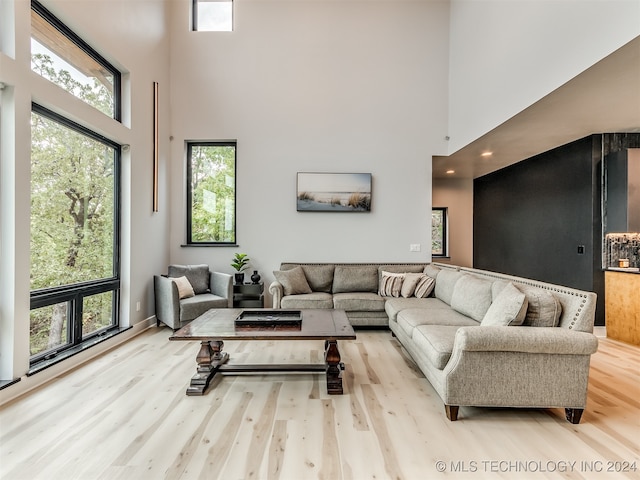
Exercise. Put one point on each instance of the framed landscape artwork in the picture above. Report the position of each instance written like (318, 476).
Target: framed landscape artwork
(333, 192)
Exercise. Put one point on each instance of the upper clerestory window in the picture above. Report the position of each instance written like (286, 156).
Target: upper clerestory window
(212, 15)
(62, 57)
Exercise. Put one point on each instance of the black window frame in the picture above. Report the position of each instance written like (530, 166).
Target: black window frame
(212, 143)
(445, 233)
(75, 293)
(41, 10)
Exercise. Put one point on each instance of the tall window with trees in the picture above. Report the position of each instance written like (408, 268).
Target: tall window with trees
(211, 192)
(439, 232)
(75, 195)
(74, 235)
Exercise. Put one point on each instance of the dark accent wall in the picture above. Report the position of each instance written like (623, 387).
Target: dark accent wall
(534, 218)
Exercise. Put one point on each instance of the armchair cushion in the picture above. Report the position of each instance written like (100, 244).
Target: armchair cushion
(198, 276)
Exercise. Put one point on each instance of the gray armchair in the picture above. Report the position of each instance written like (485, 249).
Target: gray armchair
(211, 290)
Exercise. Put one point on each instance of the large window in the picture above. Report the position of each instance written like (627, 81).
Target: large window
(439, 232)
(212, 15)
(211, 193)
(74, 235)
(63, 58)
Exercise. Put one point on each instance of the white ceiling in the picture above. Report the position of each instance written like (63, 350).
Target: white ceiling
(604, 98)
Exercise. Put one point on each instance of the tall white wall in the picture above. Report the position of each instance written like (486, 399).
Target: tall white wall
(314, 86)
(507, 55)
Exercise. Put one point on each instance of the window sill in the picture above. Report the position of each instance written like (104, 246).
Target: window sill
(44, 364)
(186, 245)
(8, 383)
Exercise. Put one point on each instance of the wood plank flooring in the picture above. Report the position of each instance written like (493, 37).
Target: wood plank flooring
(126, 416)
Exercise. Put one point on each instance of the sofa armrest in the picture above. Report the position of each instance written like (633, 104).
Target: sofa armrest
(547, 340)
(277, 291)
(221, 284)
(167, 301)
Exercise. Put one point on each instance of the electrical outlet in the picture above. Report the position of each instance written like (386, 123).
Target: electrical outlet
(137, 306)
(414, 247)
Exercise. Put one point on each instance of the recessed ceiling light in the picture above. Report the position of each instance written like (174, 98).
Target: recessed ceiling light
(450, 171)
(486, 154)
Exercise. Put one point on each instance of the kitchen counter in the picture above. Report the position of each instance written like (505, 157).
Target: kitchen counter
(624, 270)
(622, 305)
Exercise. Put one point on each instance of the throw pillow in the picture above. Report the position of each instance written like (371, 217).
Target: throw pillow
(544, 308)
(508, 308)
(293, 281)
(409, 283)
(391, 284)
(425, 286)
(185, 290)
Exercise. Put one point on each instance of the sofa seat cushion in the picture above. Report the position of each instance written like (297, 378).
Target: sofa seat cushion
(307, 300)
(411, 318)
(358, 301)
(435, 342)
(471, 296)
(355, 278)
(195, 306)
(394, 305)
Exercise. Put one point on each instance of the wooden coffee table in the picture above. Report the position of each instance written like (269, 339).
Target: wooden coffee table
(217, 325)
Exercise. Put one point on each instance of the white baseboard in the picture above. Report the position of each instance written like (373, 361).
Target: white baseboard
(28, 383)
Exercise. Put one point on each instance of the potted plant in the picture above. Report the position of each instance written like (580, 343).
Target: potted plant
(240, 262)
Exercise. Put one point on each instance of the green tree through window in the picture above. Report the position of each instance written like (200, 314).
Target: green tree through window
(211, 215)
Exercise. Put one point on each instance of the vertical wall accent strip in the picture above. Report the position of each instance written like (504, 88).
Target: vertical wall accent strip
(155, 146)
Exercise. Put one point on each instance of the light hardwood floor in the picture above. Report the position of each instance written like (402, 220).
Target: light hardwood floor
(126, 416)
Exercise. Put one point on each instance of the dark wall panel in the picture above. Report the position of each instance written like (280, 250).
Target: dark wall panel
(533, 218)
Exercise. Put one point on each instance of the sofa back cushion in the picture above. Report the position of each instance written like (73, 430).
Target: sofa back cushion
(355, 278)
(432, 270)
(471, 296)
(198, 276)
(320, 277)
(444, 284)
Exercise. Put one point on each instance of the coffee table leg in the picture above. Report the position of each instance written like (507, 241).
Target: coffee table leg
(209, 359)
(334, 367)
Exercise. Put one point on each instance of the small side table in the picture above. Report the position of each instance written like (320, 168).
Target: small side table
(248, 295)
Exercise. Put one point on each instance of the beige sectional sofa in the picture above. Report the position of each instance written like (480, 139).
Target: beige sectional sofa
(481, 338)
(352, 287)
(468, 341)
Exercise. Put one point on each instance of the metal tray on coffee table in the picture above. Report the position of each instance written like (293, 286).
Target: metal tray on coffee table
(267, 318)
